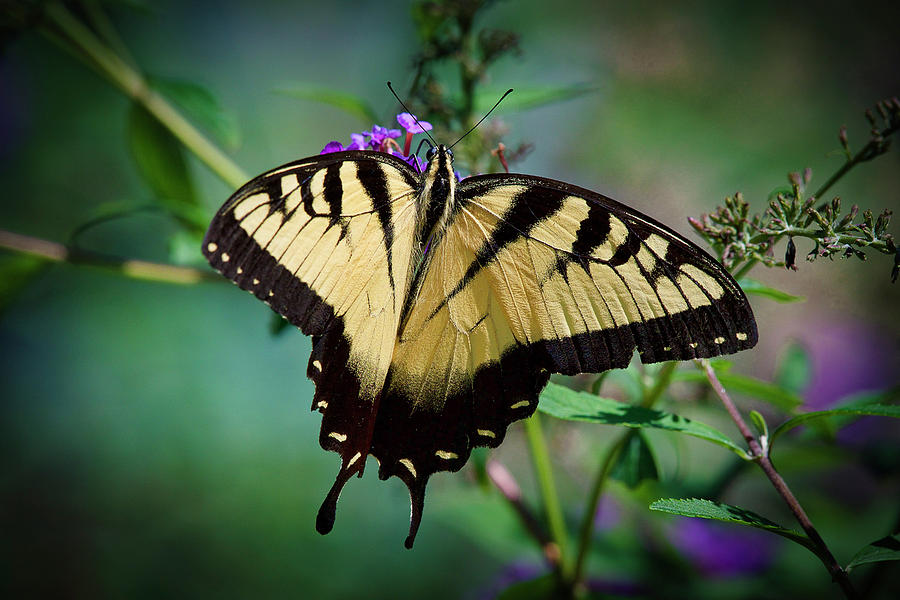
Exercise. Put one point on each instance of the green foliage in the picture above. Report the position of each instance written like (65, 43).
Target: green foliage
(775, 395)
(161, 162)
(635, 462)
(879, 410)
(564, 403)
(757, 288)
(202, 106)
(885, 549)
(349, 103)
(719, 511)
(16, 272)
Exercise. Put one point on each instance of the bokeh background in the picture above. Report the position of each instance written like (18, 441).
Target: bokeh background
(155, 440)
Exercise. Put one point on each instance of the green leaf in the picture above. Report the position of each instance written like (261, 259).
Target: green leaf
(161, 162)
(752, 286)
(349, 103)
(540, 588)
(529, 98)
(16, 272)
(202, 106)
(718, 511)
(749, 386)
(887, 548)
(794, 369)
(635, 461)
(875, 410)
(564, 403)
(760, 423)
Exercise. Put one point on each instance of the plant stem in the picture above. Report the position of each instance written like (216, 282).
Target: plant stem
(133, 84)
(838, 574)
(136, 269)
(868, 152)
(586, 532)
(506, 484)
(745, 269)
(544, 472)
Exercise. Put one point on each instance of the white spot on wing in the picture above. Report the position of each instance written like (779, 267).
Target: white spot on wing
(354, 459)
(693, 344)
(317, 365)
(446, 454)
(322, 404)
(225, 257)
(741, 336)
(212, 246)
(239, 270)
(719, 340)
(341, 437)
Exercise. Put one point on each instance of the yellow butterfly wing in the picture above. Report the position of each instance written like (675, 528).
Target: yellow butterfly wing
(327, 242)
(534, 276)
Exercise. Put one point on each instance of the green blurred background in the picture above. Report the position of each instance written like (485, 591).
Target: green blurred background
(156, 439)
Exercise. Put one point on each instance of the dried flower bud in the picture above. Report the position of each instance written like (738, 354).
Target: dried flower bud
(794, 178)
(836, 205)
(790, 255)
(696, 224)
(807, 175)
(842, 135)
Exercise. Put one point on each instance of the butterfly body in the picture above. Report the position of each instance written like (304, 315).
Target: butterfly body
(438, 308)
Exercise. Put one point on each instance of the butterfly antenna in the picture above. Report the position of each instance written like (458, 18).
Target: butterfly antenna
(390, 87)
(508, 92)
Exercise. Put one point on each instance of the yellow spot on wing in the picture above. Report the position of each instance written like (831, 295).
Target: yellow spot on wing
(317, 365)
(212, 246)
(239, 270)
(521, 404)
(693, 344)
(341, 437)
(486, 433)
(255, 281)
(225, 257)
(446, 454)
(703, 279)
(719, 340)
(409, 465)
(322, 404)
(354, 459)
(741, 336)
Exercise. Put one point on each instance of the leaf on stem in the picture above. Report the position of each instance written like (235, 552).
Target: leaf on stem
(203, 107)
(349, 103)
(749, 386)
(161, 162)
(887, 548)
(529, 98)
(636, 461)
(752, 286)
(718, 511)
(564, 403)
(877, 410)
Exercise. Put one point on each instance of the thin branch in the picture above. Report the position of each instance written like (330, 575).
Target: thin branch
(506, 484)
(544, 472)
(135, 269)
(874, 148)
(838, 574)
(136, 87)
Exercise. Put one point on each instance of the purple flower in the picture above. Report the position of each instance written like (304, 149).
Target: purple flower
(332, 147)
(357, 142)
(415, 162)
(721, 550)
(408, 122)
(380, 138)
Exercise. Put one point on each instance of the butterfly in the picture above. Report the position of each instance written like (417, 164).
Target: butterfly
(438, 308)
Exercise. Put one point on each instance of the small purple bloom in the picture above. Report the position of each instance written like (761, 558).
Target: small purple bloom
(357, 142)
(721, 550)
(415, 162)
(408, 122)
(332, 147)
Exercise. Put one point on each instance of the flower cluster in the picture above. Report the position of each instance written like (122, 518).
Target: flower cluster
(382, 139)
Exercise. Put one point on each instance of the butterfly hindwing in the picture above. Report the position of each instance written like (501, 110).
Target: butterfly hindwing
(327, 242)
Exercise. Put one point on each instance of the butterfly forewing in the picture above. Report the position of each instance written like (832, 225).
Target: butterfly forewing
(327, 242)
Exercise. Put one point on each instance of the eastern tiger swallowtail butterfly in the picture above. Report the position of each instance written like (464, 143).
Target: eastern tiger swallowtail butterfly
(439, 308)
